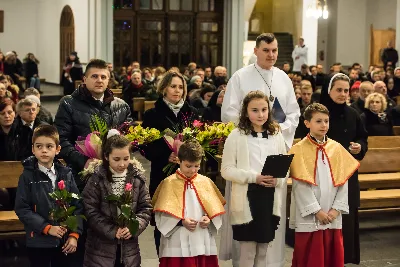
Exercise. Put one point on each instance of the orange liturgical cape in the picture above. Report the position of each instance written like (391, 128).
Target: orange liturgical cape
(170, 195)
(342, 164)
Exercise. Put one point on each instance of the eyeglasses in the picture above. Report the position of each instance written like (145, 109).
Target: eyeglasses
(33, 110)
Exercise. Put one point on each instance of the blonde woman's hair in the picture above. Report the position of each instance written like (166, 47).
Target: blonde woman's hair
(372, 96)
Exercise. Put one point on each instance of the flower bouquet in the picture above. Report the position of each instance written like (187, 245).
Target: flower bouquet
(63, 213)
(126, 217)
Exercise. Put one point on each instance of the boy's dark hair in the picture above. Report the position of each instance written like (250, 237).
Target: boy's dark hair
(96, 63)
(314, 108)
(207, 88)
(266, 37)
(47, 131)
(191, 151)
(244, 122)
(108, 144)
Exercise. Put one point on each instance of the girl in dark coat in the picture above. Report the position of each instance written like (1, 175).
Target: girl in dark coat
(32, 71)
(72, 72)
(347, 128)
(170, 111)
(376, 121)
(107, 243)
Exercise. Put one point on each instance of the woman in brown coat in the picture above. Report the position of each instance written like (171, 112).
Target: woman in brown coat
(107, 243)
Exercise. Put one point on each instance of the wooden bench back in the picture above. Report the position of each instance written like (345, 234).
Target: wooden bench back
(117, 92)
(381, 160)
(383, 141)
(10, 171)
(396, 130)
(149, 104)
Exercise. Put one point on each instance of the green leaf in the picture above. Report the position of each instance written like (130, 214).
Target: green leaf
(72, 223)
(133, 226)
(126, 211)
(71, 210)
(83, 217)
(112, 197)
(98, 124)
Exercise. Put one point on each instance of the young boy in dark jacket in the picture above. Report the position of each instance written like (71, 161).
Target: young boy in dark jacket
(33, 202)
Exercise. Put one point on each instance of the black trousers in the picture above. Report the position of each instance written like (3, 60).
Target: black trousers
(48, 257)
(157, 239)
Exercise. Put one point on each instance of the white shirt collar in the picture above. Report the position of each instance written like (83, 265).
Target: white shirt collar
(261, 69)
(100, 99)
(42, 168)
(29, 124)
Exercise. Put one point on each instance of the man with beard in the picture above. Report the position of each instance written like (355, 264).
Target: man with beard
(276, 84)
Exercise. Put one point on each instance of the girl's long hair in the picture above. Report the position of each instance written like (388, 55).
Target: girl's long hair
(245, 124)
(114, 142)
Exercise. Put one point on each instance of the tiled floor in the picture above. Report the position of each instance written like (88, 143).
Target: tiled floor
(379, 248)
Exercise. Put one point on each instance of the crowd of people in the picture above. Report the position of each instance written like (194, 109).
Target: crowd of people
(270, 106)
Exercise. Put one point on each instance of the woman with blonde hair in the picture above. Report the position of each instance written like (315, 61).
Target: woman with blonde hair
(377, 122)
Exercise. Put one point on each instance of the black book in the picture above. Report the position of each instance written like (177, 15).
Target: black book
(277, 165)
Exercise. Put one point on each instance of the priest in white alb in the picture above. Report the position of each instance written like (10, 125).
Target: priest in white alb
(263, 76)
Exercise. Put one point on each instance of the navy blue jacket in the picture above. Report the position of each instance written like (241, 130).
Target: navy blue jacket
(33, 202)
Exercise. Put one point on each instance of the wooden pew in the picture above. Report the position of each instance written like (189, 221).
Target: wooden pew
(149, 104)
(138, 106)
(396, 130)
(117, 92)
(10, 226)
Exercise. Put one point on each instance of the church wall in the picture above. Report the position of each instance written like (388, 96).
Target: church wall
(348, 31)
(34, 26)
(19, 27)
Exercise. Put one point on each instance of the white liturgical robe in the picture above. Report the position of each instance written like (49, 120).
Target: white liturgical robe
(302, 53)
(248, 79)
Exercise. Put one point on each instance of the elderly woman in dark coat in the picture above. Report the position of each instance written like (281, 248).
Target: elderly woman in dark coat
(173, 112)
(377, 122)
(347, 128)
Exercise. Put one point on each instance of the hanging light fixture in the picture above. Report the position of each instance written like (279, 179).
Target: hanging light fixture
(317, 10)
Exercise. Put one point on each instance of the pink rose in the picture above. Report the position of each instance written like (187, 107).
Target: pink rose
(197, 124)
(61, 185)
(128, 187)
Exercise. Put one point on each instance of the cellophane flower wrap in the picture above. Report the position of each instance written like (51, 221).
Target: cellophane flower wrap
(126, 217)
(63, 213)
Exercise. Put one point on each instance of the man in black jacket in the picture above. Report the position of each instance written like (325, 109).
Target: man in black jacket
(366, 88)
(75, 113)
(389, 56)
(73, 120)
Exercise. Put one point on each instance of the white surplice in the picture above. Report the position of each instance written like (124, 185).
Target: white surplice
(308, 199)
(177, 241)
(248, 79)
(302, 53)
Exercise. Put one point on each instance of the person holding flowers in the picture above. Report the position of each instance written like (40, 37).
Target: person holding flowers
(117, 206)
(35, 205)
(172, 112)
(188, 208)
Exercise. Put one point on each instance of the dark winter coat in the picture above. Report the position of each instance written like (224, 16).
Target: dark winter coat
(31, 68)
(101, 244)
(33, 203)
(389, 55)
(358, 105)
(73, 117)
(376, 126)
(212, 113)
(18, 144)
(161, 117)
(345, 126)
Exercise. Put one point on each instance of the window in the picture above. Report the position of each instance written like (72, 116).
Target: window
(184, 5)
(180, 41)
(151, 5)
(209, 40)
(123, 4)
(122, 42)
(206, 5)
(151, 42)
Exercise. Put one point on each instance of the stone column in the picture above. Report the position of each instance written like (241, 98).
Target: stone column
(310, 34)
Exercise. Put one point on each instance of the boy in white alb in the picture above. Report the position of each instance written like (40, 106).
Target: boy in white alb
(320, 170)
(188, 208)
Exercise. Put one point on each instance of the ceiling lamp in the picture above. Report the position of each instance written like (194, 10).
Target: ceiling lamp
(317, 10)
